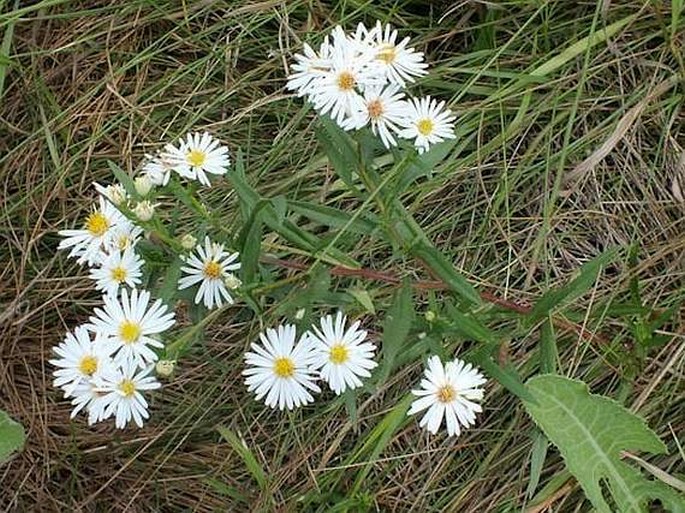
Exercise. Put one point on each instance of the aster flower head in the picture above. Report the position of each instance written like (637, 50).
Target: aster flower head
(85, 396)
(448, 391)
(116, 269)
(122, 394)
(309, 67)
(337, 92)
(130, 322)
(80, 357)
(341, 355)
(158, 168)
(386, 110)
(97, 233)
(427, 122)
(396, 61)
(209, 266)
(197, 155)
(124, 236)
(278, 369)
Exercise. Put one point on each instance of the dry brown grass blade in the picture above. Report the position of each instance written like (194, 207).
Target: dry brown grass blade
(620, 131)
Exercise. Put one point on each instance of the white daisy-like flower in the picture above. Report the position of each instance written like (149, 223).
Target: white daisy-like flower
(209, 267)
(427, 122)
(96, 234)
(85, 395)
(309, 67)
(80, 358)
(158, 168)
(129, 323)
(385, 108)
(122, 397)
(279, 369)
(449, 392)
(124, 236)
(336, 93)
(198, 155)
(398, 63)
(116, 269)
(341, 355)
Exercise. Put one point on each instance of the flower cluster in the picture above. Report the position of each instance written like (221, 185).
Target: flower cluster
(359, 79)
(283, 371)
(105, 365)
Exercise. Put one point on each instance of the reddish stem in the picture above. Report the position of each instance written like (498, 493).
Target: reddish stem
(369, 274)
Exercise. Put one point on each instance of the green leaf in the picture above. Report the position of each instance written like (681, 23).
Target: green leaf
(444, 269)
(396, 326)
(12, 436)
(576, 287)
(123, 177)
(340, 149)
(364, 224)
(537, 461)
(170, 282)
(364, 298)
(251, 239)
(505, 376)
(379, 437)
(591, 431)
(426, 163)
(548, 349)
(469, 327)
(246, 455)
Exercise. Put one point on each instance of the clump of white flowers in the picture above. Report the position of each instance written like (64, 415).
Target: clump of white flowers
(105, 366)
(108, 365)
(283, 371)
(360, 79)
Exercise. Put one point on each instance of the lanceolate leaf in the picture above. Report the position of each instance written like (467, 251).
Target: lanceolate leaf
(580, 284)
(364, 224)
(246, 455)
(12, 436)
(339, 148)
(591, 431)
(396, 328)
(445, 270)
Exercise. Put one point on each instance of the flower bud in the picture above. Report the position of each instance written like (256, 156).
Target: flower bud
(144, 210)
(143, 185)
(114, 193)
(165, 368)
(299, 315)
(188, 241)
(232, 282)
(430, 315)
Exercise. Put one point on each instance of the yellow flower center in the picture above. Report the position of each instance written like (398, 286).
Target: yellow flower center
(196, 158)
(129, 331)
(97, 224)
(446, 394)
(346, 81)
(387, 54)
(339, 354)
(212, 270)
(375, 108)
(128, 387)
(425, 126)
(284, 367)
(119, 274)
(88, 365)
